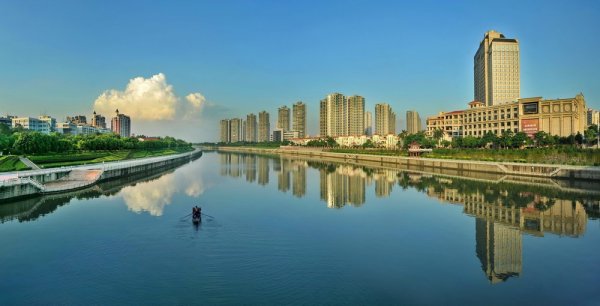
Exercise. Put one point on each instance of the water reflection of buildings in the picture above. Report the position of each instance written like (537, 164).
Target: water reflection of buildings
(503, 211)
(499, 249)
(299, 178)
(250, 168)
(263, 170)
(503, 214)
(384, 180)
(345, 185)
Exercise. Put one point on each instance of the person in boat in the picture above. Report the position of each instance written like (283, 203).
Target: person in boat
(196, 212)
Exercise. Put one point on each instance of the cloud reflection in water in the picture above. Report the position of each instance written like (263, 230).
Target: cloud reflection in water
(153, 196)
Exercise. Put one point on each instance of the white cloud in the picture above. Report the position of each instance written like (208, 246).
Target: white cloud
(157, 110)
(195, 104)
(196, 100)
(142, 99)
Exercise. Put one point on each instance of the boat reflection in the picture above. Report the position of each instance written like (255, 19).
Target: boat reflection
(505, 207)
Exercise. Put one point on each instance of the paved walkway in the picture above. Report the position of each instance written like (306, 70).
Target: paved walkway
(77, 178)
(29, 163)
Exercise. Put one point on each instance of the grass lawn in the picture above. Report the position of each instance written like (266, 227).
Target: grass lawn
(11, 163)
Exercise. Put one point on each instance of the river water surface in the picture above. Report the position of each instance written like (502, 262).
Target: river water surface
(293, 231)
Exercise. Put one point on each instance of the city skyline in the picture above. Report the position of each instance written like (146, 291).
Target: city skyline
(60, 66)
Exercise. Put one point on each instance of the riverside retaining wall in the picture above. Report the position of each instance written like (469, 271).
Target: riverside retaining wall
(416, 163)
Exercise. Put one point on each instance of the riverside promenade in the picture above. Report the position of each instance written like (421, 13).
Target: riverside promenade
(19, 184)
(417, 163)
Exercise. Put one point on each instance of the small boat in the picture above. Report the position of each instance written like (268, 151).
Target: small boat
(196, 220)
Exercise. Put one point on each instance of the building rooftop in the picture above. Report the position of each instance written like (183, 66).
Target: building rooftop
(505, 40)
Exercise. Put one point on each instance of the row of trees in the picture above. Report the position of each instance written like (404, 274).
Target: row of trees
(19, 141)
(508, 139)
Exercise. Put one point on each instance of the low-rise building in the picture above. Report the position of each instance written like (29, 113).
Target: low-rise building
(32, 124)
(562, 117)
(51, 121)
(389, 141)
(85, 129)
(67, 128)
(351, 141)
(277, 135)
(7, 120)
(287, 135)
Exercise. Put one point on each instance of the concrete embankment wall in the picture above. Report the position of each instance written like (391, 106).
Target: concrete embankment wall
(32, 185)
(415, 163)
(142, 167)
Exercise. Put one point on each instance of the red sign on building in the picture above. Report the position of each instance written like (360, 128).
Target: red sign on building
(530, 126)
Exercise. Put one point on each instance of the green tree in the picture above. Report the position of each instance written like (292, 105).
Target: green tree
(506, 139)
(579, 138)
(470, 142)
(519, 139)
(437, 135)
(457, 142)
(331, 142)
(368, 144)
(591, 134)
(490, 138)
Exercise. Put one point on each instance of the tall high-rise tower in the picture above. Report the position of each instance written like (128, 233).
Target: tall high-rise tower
(121, 124)
(368, 123)
(299, 116)
(356, 115)
(251, 128)
(323, 118)
(235, 130)
(224, 124)
(413, 122)
(334, 115)
(283, 118)
(98, 120)
(497, 70)
(385, 119)
(264, 126)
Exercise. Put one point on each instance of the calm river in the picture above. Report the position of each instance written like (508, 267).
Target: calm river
(293, 231)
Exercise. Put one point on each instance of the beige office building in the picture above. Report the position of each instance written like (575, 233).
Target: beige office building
(283, 118)
(385, 119)
(299, 118)
(251, 128)
(562, 117)
(497, 70)
(413, 122)
(264, 127)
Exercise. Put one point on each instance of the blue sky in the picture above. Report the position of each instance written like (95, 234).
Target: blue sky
(59, 57)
